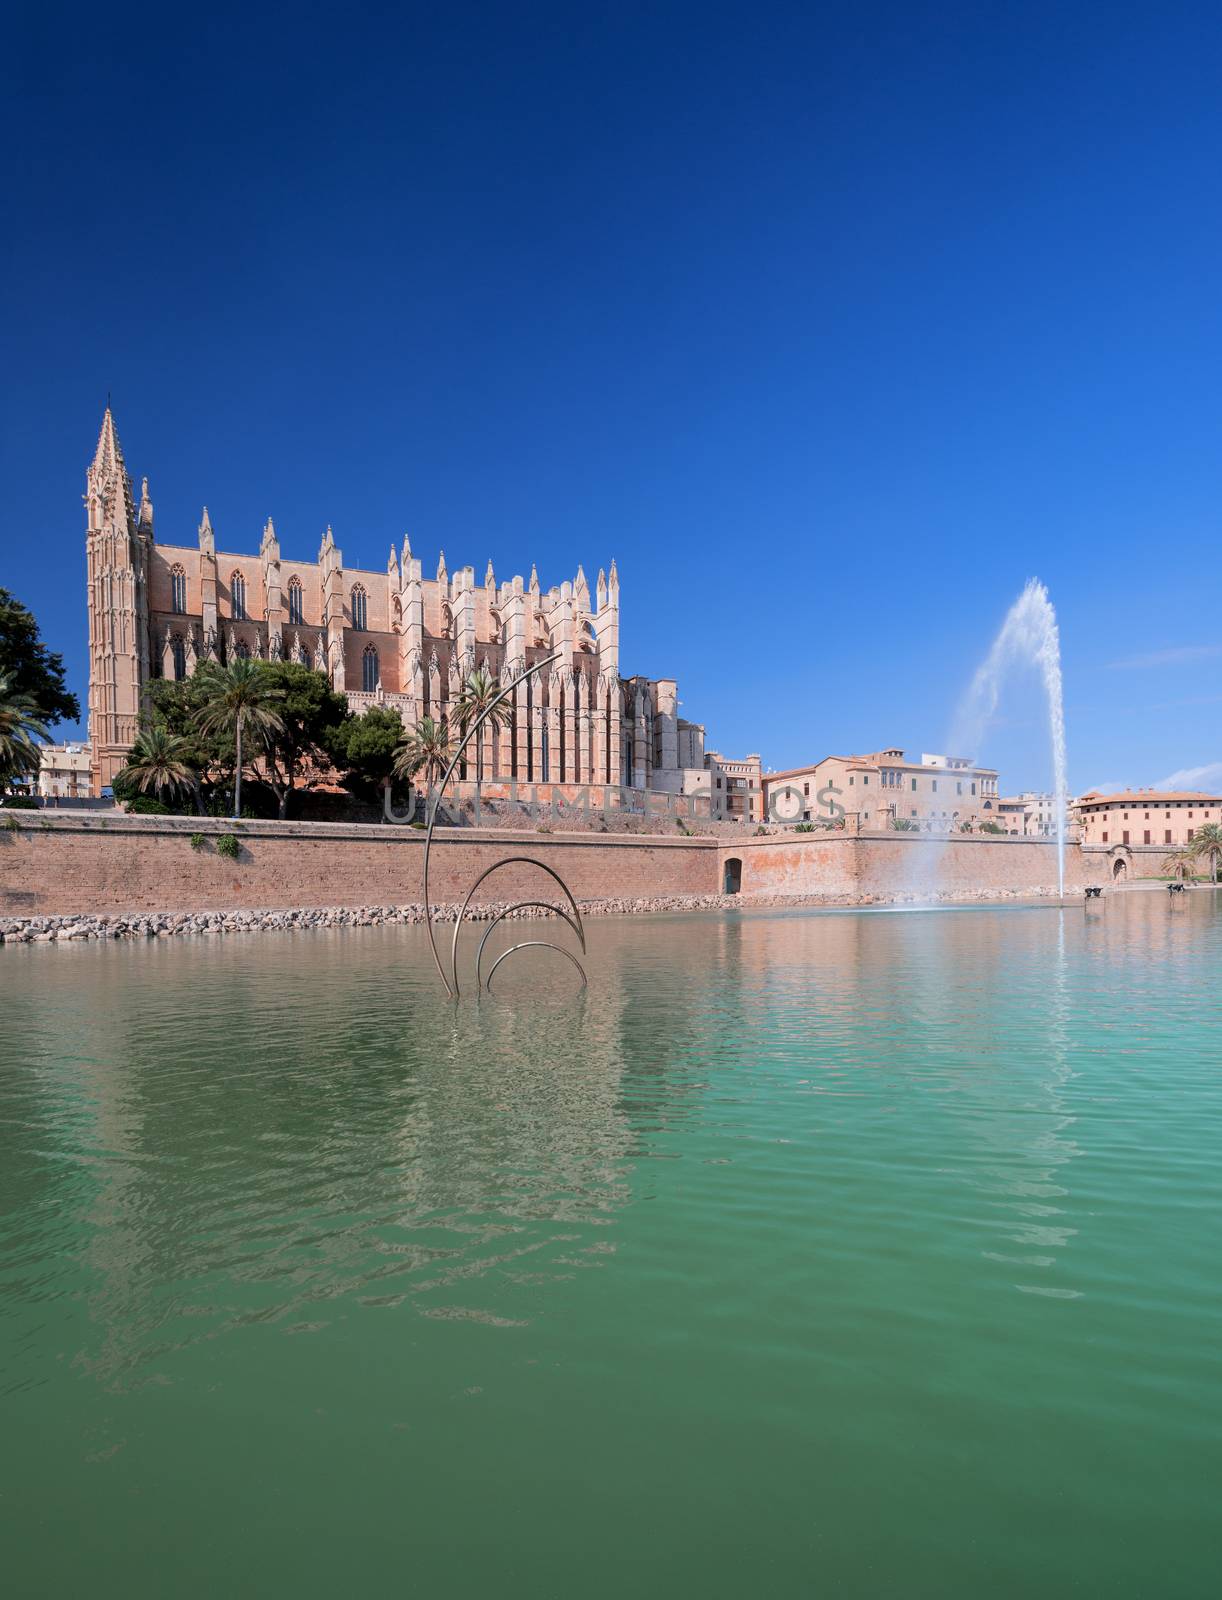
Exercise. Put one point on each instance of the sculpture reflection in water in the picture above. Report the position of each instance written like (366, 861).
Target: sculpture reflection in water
(574, 920)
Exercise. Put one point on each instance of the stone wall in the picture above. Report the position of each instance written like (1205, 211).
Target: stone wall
(901, 865)
(70, 865)
(67, 866)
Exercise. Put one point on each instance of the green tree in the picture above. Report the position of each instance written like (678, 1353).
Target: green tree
(22, 728)
(239, 703)
(1206, 844)
(428, 750)
(365, 747)
(32, 669)
(157, 761)
(1180, 863)
(479, 693)
(308, 709)
(176, 706)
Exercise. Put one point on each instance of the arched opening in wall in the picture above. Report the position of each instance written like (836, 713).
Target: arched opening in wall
(237, 596)
(732, 879)
(178, 590)
(360, 609)
(1120, 870)
(369, 669)
(178, 648)
(296, 613)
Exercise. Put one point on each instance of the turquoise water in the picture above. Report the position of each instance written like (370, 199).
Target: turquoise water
(858, 1254)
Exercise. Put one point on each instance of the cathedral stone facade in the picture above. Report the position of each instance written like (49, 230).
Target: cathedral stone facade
(392, 638)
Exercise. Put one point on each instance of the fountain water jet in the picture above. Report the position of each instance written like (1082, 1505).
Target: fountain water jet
(1029, 634)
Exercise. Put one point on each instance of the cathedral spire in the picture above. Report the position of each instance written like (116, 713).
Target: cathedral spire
(207, 542)
(109, 489)
(109, 453)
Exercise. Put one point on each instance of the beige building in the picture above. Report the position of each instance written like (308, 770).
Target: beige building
(938, 794)
(1031, 815)
(392, 638)
(63, 771)
(737, 787)
(1145, 816)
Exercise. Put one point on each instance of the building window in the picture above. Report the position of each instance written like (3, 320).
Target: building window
(237, 595)
(914, 791)
(1166, 835)
(1191, 831)
(865, 777)
(935, 785)
(1124, 837)
(179, 651)
(178, 591)
(806, 788)
(243, 650)
(369, 669)
(1145, 838)
(1103, 835)
(295, 612)
(360, 610)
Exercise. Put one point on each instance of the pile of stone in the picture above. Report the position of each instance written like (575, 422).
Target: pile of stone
(170, 924)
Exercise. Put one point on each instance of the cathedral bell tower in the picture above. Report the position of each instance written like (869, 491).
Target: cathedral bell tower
(118, 552)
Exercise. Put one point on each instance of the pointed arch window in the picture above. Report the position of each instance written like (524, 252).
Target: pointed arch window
(237, 593)
(178, 590)
(295, 612)
(178, 649)
(369, 669)
(242, 650)
(360, 609)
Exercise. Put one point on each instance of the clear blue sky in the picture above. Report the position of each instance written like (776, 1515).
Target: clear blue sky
(833, 323)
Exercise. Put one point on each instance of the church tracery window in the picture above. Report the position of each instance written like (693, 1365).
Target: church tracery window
(178, 650)
(178, 590)
(295, 611)
(360, 609)
(237, 595)
(369, 669)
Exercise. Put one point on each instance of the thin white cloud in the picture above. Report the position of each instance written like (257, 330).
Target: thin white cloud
(1208, 777)
(1177, 656)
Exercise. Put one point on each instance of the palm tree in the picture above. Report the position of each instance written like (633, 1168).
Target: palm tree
(428, 749)
(157, 761)
(1180, 863)
(239, 700)
(479, 694)
(1206, 843)
(21, 729)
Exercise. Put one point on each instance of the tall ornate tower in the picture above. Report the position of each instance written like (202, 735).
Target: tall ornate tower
(117, 551)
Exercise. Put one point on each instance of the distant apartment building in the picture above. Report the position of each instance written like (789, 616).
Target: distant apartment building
(63, 771)
(1029, 815)
(734, 789)
(737, 787)
(1145, 816)
(938, 794)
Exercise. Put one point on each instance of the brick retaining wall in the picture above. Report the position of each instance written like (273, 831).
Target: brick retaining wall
(77, 865)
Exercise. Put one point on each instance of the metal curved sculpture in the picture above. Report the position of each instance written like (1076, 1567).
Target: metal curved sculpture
(536, 944)
(575, 922)
(522, 905)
